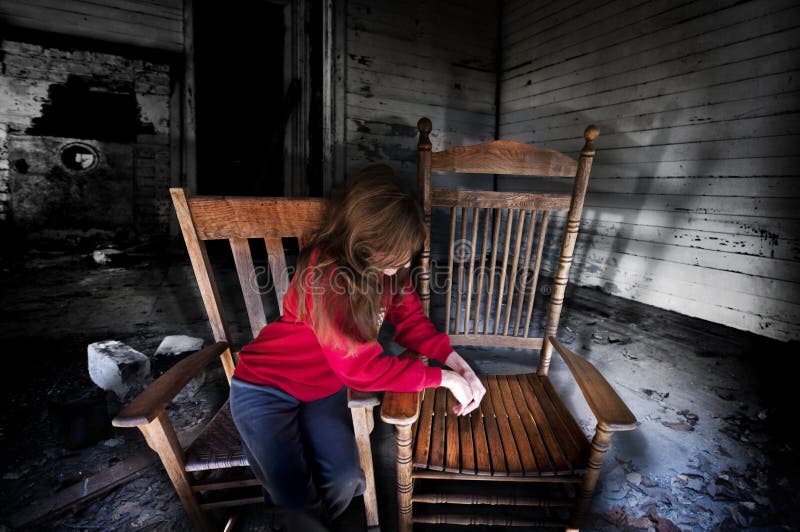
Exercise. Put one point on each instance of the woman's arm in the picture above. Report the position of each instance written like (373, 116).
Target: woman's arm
(413, 329)
(363, 367)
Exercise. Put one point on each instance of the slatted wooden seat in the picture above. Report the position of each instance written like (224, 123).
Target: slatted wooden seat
(522, 433)
(213, 471)
(521, 429)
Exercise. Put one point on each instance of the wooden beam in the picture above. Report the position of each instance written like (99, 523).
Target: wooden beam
(85, 491)
(189, 102)
(175, 138)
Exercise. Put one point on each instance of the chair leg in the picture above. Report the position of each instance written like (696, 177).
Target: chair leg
(405, 482)
(600, 444)
(363, 424)
(161, 437)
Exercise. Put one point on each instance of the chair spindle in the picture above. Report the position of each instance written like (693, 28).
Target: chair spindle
(493, 266)
(450, 267)
(471, 273)
(526, 272)
(514, 267)
(536, 267)
(501, 288)
(461, 250)
(482, 270)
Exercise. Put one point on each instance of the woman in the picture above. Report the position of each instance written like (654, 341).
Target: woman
(287, 396)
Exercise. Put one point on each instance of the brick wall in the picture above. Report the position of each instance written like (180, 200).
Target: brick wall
(31, 79)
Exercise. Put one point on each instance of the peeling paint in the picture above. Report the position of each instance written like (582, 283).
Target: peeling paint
(360, 127)
(361, 59)
(767, 235)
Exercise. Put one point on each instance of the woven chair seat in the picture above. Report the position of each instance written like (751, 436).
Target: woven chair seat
(218, 446)
(521, 429)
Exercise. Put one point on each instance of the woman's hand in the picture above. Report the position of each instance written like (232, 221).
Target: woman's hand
(461, 367)
(460, 389)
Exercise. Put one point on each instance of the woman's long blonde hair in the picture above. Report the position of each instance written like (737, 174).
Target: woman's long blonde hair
(370, 226)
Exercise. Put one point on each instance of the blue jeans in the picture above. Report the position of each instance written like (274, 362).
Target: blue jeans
(303, 453)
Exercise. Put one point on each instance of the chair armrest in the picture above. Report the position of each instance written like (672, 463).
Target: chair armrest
(357, 399)
(146, 406)
(401, 408)
(610, 410)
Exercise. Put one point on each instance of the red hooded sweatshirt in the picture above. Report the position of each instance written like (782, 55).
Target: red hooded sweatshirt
(287, 354)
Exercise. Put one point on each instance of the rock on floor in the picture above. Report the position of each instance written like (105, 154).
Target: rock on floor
(117, 367)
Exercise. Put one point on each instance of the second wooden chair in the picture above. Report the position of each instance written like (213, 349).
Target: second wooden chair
(212, 472)
(523, 435)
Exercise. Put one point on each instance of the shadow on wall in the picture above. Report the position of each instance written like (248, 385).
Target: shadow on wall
(591, 260)
(622, 245)
(616, 254)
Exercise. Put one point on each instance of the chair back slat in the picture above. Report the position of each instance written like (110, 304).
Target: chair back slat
(277, 267)
(248, 283)
(496, 200)
(220, 217)
(504, 302)
(503, 157)
(496, 340)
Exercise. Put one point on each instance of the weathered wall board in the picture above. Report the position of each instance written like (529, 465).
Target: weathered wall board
(693, 202)
(406, 60)
(149, 24)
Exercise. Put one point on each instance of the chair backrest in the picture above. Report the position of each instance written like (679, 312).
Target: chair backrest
(239, 219)
(493, 283)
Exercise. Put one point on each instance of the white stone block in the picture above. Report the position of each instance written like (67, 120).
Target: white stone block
(104, 256)
(119, 368)
(179, 343)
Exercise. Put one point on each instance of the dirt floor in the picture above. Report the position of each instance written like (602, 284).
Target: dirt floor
(715, 448)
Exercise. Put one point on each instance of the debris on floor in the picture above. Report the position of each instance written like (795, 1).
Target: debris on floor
(119, 368)
(715, 447)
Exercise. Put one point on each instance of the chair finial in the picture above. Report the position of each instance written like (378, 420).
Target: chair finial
(424, 125)
(590, 134)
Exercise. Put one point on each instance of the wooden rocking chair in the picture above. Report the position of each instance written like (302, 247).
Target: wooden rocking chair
(213, 471)
(522, 436)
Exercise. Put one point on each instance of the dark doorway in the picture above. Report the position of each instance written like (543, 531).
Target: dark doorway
(241, 116)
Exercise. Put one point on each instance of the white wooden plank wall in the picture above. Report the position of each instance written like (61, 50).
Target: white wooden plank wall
(154, 24)
(409, 59)
(693, 202)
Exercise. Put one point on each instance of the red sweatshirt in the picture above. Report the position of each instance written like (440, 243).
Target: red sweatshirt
(288, 355)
